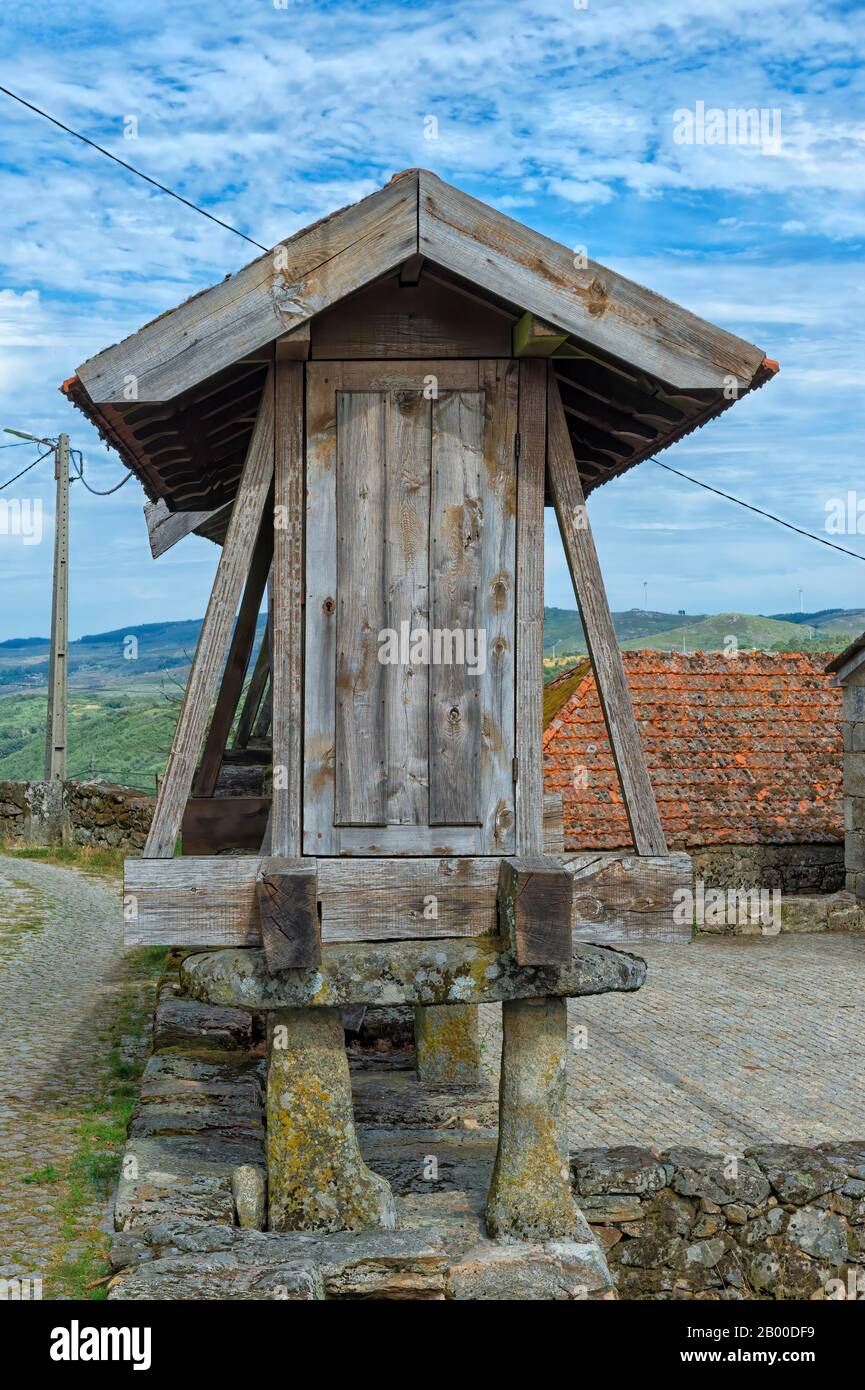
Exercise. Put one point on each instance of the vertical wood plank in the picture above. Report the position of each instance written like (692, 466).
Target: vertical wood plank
(233, 567)
(530, 607)
(457, 524)
(406, 579)
(613, 693)
(287, 608)
(323, 382)
(361, 779)
(497, 603)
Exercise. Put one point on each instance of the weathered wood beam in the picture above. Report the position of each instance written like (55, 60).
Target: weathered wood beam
(252, 699)
(286, 892)
(210, 901)
(535, 899)
(234, 674)
(613, 693)
(534, 338)
(287, 597)
(281, 289)
(294, 345)
(595, 304)
(410, 271)
(234, 564)
(165, 528)
(532, 425)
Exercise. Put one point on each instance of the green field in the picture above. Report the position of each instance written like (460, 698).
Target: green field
(116, 738)
(123, 707)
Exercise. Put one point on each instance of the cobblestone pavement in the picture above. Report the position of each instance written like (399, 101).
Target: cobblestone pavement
(730, 1042)
(60, 952)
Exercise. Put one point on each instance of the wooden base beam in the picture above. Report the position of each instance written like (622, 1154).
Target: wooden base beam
(619, 898)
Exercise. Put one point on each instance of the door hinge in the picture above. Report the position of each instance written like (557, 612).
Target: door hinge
(517, 446)
(515, 769)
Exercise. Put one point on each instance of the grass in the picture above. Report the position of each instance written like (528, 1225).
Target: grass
(81, 1270)
(108, 863)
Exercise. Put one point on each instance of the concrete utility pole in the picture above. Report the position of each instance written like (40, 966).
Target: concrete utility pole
(55, 735)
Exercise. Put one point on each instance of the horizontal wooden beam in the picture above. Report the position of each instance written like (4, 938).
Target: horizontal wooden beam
(211, 900)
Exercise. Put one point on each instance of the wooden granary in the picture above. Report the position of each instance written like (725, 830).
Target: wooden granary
(369, 420)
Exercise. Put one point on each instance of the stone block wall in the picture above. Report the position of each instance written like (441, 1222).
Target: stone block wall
(782, 1222)
(797, 868)
(84, 813)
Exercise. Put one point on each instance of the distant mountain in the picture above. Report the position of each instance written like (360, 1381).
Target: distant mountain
(140, 657)
(849, 620)
(564, 631)
(750, 631)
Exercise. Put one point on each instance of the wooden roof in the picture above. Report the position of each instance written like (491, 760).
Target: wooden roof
(637, 372)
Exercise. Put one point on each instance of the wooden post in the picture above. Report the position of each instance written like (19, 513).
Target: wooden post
(287, 598)
(535, 905)
(55, 733)
(234, 564)
(286, 890)
(530, 608)
(613, 693)
(254, 692)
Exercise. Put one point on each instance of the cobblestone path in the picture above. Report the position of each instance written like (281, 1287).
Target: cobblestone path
(730, 1042)
(60, 967)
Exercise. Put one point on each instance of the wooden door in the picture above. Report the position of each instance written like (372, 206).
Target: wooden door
(410, 603)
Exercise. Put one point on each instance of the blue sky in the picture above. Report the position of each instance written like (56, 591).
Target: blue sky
(271, 115)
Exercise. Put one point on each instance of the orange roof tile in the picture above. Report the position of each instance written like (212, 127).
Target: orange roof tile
(744, 750)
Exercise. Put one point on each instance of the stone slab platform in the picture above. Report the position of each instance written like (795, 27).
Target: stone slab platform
(449, 971)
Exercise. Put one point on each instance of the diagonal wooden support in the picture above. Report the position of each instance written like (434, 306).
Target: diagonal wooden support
(242, 641)
(570, 504)
(234, 564)
(254, 692)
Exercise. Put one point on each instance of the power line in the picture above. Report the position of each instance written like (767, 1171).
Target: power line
(759, 510)
(10, 481)
(122, 162)
(75, 454)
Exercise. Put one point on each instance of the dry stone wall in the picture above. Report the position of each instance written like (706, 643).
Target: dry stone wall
(98, 814)
(781, 1222)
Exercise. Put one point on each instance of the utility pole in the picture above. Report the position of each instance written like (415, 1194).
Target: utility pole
(55, 734)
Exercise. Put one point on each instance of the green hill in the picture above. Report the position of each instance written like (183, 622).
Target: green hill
(564, 631)
(117, 738)
(751, 632)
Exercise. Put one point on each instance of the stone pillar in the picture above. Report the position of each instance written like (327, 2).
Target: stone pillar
(854, 783)
(447, 1044)
(530, 1195)
(317, 1180)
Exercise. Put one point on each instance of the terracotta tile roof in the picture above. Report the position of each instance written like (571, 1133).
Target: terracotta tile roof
(741, 751)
